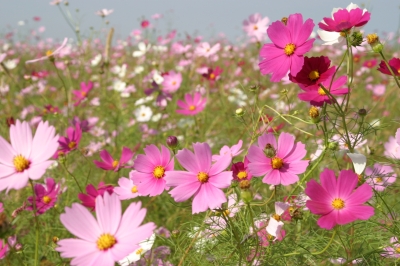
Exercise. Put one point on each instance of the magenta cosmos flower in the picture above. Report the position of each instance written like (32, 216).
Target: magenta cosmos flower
(3, 249)
(192, 105)
(337, 200)
(106, 239)
(317, 96)
(92, 193)
(204, 180)
(394, 64)
(289, 44)
(279, 163)
(109, 163)
(343, 20)
(45, 196)
(151, 170)
(26, 158)
(314, 71)
(71, 141)
(80, 95)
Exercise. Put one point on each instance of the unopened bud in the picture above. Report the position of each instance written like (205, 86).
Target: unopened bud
(175, 233)
(172, 142)
(244, 184)
(314, 114)
(284, 20)
(269, 151)
(357, 39)
(333, 146)
(373, 40)
(10, 121)
(239, 112)
(362, 112)
(246, 196)
(55, 239)
(253, 88)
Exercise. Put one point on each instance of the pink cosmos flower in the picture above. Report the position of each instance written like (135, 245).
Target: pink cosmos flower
(192, 105)
(394, 64)
(317, 96)
(49, 54)
(81, 94)
(393, 250)
(172, 82)
(45, 196)
(108, 238)
(279, 163)
(265, 237)
(151, 170)
(89, 199)
(380, 176)
(3, 249)
(314, 71)
(71, 142)
(256, 26)
(233, 151)
(204, 49)
(240, 171)
(26, 158)
(343, 20)
(392, 147)
(110, 164)
(145, 24)
(127, 189)
(370, 63)
(337, 200)
(204, 180)
(289, 44)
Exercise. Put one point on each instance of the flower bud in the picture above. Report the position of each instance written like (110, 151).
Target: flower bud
(175, 233)
(373, 40)
(10, 121)
(362, 112)
(253, 88)
(172, 142)
(357, 39)
(284, 20)
(314, 114)
(269, 151)
(333, 146)
(239, 112)
(246, 196)
(244, 184)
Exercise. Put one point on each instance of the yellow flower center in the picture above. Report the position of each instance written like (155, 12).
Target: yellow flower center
(371, 38)
(72, 145)
(139, 251)
(115, 163)
(134, 189)
(21, 163)
(359, 178)
(338, 204)
(277, 163)
(242, 175)
(378, 179)
(321, 92)
(49, 53)
(226, 212)
(212, 76)
(289, 49)
(255, 27)
(158, 172)
(192, 107)
(173, 83)
(202, 177)
(314, 75)
(46, 199)
(83, 93)
(398, 70)
(398, 250)
(276, 217)
(105, 242)
(313, 112)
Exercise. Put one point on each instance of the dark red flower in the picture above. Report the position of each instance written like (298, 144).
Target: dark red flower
(314, 71)
(394, 63)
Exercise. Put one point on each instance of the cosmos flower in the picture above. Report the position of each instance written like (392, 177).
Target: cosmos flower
(279, 163)
(314, 71)
(233, 151)
(337, 200)
(204, 49)
(394, 64)
(26, 158)
(380, 176)
(49, 54)
(45, 196)
(88, 200)
(110, 164)
(107, 239)
(104, 12)
(80, 95)
(256, 26)
(126, 189)
(192, 105)
(71, 141)
(3, 249)
(289, 44)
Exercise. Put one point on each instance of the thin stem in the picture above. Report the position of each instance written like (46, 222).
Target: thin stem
(76, 181)
(36, 223)
(390, 69)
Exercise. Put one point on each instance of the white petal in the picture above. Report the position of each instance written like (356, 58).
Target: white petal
(359, 162)
(280, 207)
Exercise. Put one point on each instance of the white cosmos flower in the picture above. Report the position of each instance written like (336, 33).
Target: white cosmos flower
(143, 49)
(119, 70)
(119, 85)
(158, 78)
(275, 224)
(143, 113)
(96, 60)
(138, 69)
(10, 64)
(145, 246)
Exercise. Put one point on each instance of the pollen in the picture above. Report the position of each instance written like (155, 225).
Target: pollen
(134, 189)
(313, 112)
(115, 163)
(255, 27)
(46, 199)
(338, 204)
(398, 250)
(105, 241)
(314, 75)
(372, 38)
(289, 49)
(321, 91)
(139, 251)
(378, 179)
(202, 177)
(277, 163)
(158, 172)
(242, 175)
(83, 93)
(49, 53)
(72, 145)
(21, 163)
(192, 108)
(212, 76)
(173, 83)
(276, 217)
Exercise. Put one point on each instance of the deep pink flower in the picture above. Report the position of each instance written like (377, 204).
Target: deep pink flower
(213, 74)
(370, 63)
(26, 158)
(172, 82)
(337, 200)
(80, 95)
(240, 171)
(279, 163)
(394, 64)
(256, 26)
(45, 196)
(289, 44)
(204, 181)
(71, 142)
(192, 105)
(89, 199)
(151, 170)
(127, 189)
(3, 249)
(50, 109)
(380, 176)
(343, 20)
(145, 24)
(110, 164)
(317, 96)
(108, 238)
(314, 71)
(1, 207)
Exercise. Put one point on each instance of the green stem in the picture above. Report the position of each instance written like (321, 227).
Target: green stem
(254, 230)
(36, 223)
(315, 253)
(390, 69)
(76, 181)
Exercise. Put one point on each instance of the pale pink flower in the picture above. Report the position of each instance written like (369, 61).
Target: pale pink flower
(275, 224)
(26, 158)
(392, 147)
(127, 189)
(109, 163)
(233, 151)
(49, 54)
(204, 181)
(393, 250)
(380, 176)
(104, 12)
(172, 82)
(204, 49)
(108, 238)
(256, 26)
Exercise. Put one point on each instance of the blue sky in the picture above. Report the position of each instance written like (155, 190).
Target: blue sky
(206, 17)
